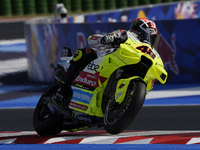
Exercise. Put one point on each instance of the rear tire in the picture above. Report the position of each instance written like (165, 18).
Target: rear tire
(118, 117)
(44, 121)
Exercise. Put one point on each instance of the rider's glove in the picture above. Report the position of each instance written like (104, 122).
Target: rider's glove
(123, 35)
(117, 41)
(107, 39)
(59, 74)
(114, 38)
(120, 37)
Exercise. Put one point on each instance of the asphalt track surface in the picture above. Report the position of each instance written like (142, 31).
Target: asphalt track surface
(150, 118)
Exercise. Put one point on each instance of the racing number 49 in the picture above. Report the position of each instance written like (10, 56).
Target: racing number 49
(146, 50)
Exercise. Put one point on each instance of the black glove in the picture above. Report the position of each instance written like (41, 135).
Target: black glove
(117, 41)
(121, 38)
(107, 39)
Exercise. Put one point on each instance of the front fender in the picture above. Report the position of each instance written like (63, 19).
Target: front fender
(122, 87)
(160, 74)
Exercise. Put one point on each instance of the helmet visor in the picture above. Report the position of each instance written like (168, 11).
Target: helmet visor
(144, 36)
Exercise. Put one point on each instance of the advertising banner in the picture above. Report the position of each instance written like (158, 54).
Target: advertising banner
(164, 11)
(177, 43)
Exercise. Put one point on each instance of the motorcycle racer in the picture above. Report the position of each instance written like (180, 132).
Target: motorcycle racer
(145, 30)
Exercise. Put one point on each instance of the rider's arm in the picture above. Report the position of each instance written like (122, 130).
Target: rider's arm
(115, 37)
(120, 35)
(95, 40)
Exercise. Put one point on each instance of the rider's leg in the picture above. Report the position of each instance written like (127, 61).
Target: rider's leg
(80, 60)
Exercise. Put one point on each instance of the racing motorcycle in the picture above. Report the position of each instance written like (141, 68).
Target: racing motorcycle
(109, 91)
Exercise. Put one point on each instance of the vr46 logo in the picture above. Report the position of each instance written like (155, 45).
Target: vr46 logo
(92, 66)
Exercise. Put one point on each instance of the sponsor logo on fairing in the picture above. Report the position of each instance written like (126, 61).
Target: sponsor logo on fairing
(81, 96)
(79, 106)
(87, 79)
(92, 66)
(119, 94)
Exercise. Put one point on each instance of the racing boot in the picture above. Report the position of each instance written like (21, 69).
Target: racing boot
(61, 100)
(64, 94)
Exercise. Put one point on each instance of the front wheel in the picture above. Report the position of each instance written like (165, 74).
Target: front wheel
(118, 117)
(45, 121)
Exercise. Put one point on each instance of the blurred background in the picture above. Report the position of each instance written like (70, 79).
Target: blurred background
(46, 7)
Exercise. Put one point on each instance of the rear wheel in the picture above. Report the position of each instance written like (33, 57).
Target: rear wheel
(118, 117)
(45, 121)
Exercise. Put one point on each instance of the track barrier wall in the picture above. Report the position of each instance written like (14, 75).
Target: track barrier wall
(177, 41)
(178, 46)
(167, 11)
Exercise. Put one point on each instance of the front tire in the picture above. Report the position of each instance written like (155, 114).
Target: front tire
(46, 122)
(118, 117)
